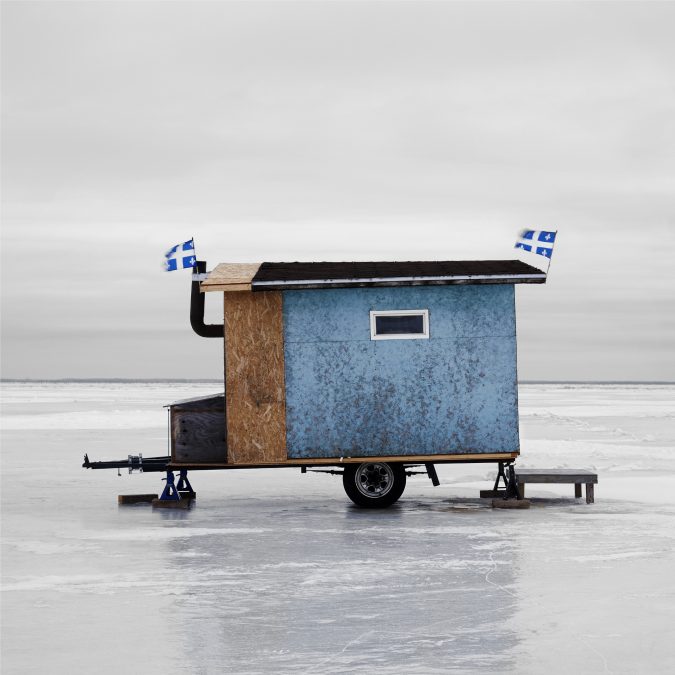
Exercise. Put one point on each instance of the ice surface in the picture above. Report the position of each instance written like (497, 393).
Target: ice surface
(275, 572)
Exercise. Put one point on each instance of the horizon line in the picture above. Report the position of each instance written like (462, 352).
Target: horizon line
(129, 380)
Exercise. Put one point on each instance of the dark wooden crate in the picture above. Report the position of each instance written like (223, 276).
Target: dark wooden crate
(198, 430)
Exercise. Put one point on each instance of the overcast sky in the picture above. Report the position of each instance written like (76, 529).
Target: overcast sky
(333, 131)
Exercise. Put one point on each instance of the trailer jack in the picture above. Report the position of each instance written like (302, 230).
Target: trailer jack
(184, 488)
(506, 473)
(170, 492)
(501, 475)
(176, 492)
(512, 491)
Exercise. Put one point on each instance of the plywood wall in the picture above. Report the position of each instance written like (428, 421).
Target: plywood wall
(254, 378)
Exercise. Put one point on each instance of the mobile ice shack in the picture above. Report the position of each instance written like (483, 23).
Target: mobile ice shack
(368, 367)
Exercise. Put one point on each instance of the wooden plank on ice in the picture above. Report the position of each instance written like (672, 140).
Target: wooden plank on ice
(136, 499)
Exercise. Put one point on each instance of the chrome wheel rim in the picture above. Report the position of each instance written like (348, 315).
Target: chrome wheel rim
(374, 479)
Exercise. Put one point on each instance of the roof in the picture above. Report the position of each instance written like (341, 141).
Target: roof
(304, 275)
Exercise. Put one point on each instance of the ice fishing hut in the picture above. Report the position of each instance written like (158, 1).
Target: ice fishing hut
(369, 366)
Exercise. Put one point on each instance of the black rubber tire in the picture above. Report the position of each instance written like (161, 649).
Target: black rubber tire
(365, 490)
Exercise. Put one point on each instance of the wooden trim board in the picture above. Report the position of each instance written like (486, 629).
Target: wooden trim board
(335, 461)
(230, 277)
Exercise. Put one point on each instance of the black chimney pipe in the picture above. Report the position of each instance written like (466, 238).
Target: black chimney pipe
(197, 308)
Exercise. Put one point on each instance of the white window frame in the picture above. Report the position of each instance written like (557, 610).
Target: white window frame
(424, 313)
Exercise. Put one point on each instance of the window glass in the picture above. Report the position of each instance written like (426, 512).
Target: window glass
(404, 324)
(401, 324)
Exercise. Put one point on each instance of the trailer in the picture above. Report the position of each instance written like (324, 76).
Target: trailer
(370, 370)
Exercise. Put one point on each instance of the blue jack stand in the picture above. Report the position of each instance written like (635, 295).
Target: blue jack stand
(170, 492)
(184, 488)
(171, 497)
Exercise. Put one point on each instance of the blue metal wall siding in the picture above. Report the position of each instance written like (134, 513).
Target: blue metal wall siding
(349, 395)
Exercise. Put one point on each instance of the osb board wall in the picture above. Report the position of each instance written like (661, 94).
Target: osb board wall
(254, 378)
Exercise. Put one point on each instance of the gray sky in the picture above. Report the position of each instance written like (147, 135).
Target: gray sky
(343, 131)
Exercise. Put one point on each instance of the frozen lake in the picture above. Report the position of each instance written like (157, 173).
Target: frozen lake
(275, 572)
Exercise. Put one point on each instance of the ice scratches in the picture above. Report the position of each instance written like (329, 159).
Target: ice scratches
(333, 657)
(163, 533)
(371, 647)
(110, 583)
(225, 572)
(656, 411)
(612, 556)
(494, 546)
(50, 548)
(584, 641)
(493, 583)
(390, 529)
(291, 565)
(56, 582)
(257, 624)
(486, 534)
(359, 574)
(459, 506)
(89, 420)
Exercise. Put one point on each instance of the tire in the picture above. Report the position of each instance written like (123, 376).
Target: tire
(374, 485)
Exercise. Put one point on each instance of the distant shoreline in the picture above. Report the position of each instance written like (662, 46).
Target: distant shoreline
(109, 380)
(122, 380)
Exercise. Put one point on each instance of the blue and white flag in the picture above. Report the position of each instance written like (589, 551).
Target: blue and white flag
(180, 256)
(537, 241)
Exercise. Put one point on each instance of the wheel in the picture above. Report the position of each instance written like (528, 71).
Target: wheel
(374, 485)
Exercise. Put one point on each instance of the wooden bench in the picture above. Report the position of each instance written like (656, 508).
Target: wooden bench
(577, 476)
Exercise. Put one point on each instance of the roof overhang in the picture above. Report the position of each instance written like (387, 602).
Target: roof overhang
(315, 275)
(230, 277)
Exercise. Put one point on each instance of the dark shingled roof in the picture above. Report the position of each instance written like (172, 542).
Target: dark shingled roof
(298, 275)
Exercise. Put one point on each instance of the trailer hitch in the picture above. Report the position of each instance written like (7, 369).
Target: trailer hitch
(132, 462)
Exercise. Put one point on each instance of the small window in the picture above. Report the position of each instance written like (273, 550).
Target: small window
(400, 324)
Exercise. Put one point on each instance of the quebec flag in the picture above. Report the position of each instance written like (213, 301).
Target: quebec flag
(180, 256)
(537, 241)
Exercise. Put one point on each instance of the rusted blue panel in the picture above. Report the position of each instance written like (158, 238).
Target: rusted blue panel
(349, 395)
